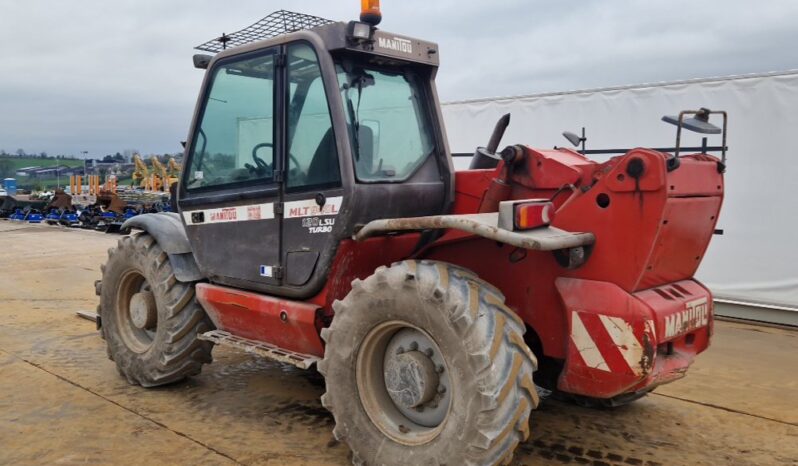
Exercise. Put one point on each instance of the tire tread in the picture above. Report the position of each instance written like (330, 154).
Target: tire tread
(180, 353)
(501, 360)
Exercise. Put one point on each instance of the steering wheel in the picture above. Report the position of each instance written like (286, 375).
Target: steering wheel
(261, 167)
(297, 166)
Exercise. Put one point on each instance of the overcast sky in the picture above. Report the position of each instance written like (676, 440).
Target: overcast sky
(104, 76)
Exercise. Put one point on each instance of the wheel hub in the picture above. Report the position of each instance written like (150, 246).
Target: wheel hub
(410, 378)
(143, 312)
(414, 375)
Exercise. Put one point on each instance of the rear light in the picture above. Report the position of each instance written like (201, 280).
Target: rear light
(533, 214)
(525, 215)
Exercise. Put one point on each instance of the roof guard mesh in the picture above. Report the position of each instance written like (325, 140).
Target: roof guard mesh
(276, 24)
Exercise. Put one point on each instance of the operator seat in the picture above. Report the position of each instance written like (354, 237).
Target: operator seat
(323, 167)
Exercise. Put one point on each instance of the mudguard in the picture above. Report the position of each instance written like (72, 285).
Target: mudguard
(168, 231)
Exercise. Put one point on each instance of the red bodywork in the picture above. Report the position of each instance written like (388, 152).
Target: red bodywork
(283, 323)
(629, 318)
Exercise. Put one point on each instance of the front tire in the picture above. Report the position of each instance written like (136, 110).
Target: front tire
(424, 364)
(150, 321)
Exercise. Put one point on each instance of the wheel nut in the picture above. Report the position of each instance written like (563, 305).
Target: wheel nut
(441, 389)
(413, 346)
(428, 352)
(400, 350)
(439, 369)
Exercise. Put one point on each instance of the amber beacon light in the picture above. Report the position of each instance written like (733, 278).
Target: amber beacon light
(370, 12)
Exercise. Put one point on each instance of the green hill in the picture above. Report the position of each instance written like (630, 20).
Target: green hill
(21, 162)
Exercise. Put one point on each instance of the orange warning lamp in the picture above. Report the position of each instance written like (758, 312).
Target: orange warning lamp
(370, 12)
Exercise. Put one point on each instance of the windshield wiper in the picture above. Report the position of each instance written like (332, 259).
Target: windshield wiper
(360, 80)
(355, 125)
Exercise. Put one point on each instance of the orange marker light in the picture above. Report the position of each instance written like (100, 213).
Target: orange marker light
(370, 12)
(535, 214)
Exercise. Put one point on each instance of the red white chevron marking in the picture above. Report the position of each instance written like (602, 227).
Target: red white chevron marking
(607, 343)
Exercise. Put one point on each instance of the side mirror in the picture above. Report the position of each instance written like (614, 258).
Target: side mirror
(576, 140)
(572, 138)
(698, 123)
(201, 61)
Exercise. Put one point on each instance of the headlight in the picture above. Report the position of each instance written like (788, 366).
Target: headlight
(359, 31)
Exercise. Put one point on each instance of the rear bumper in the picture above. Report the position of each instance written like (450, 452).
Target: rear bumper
(622, 343)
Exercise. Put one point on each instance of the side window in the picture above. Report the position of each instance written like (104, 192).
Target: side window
(234, 141)
(312, 154)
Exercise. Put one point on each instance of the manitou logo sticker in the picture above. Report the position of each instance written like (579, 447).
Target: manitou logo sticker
(396, 44)
(224, 215)
(229, 214)
(695, 315)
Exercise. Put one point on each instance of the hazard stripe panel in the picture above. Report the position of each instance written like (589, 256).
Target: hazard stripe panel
(586, 346)
(608, 343)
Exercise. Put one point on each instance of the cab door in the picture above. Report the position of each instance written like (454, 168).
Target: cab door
(229, 186)
(313, 191)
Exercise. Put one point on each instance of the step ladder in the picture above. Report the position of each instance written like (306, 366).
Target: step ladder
(220, 337)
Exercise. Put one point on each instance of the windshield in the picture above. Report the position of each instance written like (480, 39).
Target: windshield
(388, 124)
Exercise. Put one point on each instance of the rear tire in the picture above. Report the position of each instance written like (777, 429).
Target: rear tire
(150, 320)
(475, 346)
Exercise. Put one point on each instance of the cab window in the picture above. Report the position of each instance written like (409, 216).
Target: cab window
(234, 140)
(312, 154)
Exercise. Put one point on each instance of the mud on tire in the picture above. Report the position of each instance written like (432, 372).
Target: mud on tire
(168, 350)
(488, 365)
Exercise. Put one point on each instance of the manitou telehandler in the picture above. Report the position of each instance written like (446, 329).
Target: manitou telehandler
(321, 221)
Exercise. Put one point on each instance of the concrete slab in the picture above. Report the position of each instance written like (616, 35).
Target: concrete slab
(61, 399)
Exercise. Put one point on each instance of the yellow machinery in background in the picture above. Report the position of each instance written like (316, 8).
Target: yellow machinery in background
(159, 178)
(141, 175)
(168, 174)
(174, 169)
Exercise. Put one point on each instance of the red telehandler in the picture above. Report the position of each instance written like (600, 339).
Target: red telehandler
(321, 222)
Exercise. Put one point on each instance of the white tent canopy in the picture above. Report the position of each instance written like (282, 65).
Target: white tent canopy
(754, 261)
